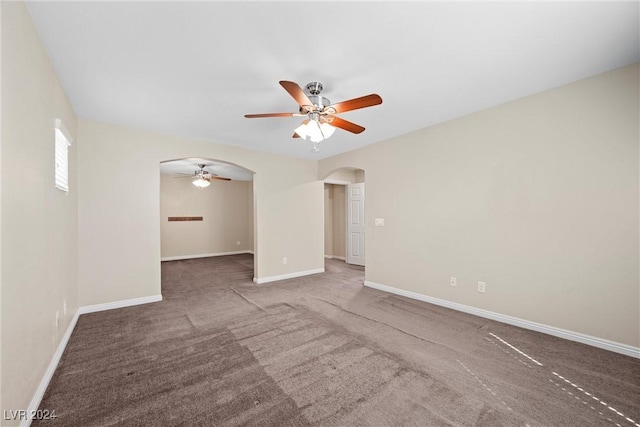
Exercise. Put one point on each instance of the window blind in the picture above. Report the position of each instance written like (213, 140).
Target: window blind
(61, 159)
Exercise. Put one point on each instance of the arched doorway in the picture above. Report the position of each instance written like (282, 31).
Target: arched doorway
(207, 209)
(344, 215)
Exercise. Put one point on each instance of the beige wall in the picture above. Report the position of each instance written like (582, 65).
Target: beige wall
(344, 174)
(539, 198)
(39, 231)
(227, 211)
(119, 209)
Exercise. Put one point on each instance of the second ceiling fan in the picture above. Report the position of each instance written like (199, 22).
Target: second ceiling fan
(202, 177)
(321, 115)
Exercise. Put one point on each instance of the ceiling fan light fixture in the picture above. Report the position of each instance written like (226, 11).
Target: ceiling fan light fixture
(302, 130)
(327, 130)
(201, 182)
(314, 131)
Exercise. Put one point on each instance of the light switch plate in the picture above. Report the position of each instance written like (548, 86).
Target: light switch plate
(482, 287)
(379, 222)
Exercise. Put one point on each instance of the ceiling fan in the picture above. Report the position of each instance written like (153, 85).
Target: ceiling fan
(321, 119)
(202, 177)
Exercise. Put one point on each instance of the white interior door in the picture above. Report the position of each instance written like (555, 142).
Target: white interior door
(355, 224)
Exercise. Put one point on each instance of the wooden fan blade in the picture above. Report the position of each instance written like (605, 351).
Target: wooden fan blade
(255, 116)
(221, 178)
(184, 176)
(356, 103)
(346, 125)
(295, 135)
(296, 92)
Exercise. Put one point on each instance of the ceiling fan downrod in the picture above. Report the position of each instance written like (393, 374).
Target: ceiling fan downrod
(314, 88)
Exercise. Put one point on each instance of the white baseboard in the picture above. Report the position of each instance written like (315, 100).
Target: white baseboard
(335, 257)
(48, 374)
(260, 280)
(46, 378)
(526, 324)
(180, 257)
(119, 304)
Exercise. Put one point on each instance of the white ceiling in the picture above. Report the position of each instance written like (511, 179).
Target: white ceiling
(194, 69)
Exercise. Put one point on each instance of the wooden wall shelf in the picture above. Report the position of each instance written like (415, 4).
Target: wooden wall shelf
(185, 218)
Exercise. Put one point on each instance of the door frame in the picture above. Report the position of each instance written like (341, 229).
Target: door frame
(325, 177)
(344, 184)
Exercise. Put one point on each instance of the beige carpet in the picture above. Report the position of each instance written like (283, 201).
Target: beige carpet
(323, 350)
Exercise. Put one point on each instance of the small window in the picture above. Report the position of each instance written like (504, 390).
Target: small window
(62, 157)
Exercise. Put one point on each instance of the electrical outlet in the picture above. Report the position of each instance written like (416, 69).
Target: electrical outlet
(453, 281)
(482, 287)
(284, 260)
(64, 307)
(238, 243)
(57, 318)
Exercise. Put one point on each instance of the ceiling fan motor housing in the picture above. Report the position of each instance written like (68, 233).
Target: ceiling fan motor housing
(320, 102)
